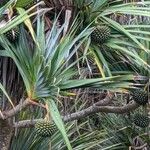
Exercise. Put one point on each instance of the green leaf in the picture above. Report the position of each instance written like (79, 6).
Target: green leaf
(27, 22)
(23, 3)
(124, 31)
(58, 121)
(6, 94)
(98, 82)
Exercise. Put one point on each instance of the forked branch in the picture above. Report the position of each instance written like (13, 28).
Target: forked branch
(101, 106)
(22, 105)
(84, 113)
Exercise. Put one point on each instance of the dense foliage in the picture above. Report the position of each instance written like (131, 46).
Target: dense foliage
(74, 74)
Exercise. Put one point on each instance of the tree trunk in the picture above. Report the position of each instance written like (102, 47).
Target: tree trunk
(13, 84)
(5, 134)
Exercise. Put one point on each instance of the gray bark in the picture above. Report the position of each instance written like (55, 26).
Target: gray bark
(13, 84)
(5, 134)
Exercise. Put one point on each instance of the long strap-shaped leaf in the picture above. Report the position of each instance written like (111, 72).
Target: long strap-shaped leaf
(58, 121)
(5, 92)
(121, 29)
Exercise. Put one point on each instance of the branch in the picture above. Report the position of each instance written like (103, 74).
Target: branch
(106, 100)
(100, 106)
(84, 113)
(95, 109)
(26, 123)
(18, 108)
(27, 102)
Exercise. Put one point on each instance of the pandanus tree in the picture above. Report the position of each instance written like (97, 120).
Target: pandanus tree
(40, 66)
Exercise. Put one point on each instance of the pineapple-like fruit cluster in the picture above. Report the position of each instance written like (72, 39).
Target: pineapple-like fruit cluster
(141, 120)
(140, 96)
(100, 34)
(12, 35)
(45, 128)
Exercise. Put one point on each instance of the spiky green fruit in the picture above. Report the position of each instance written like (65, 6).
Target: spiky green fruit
(45, 129)
(12, 35)
(100, 34)
(140, 96)
(141, 120)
